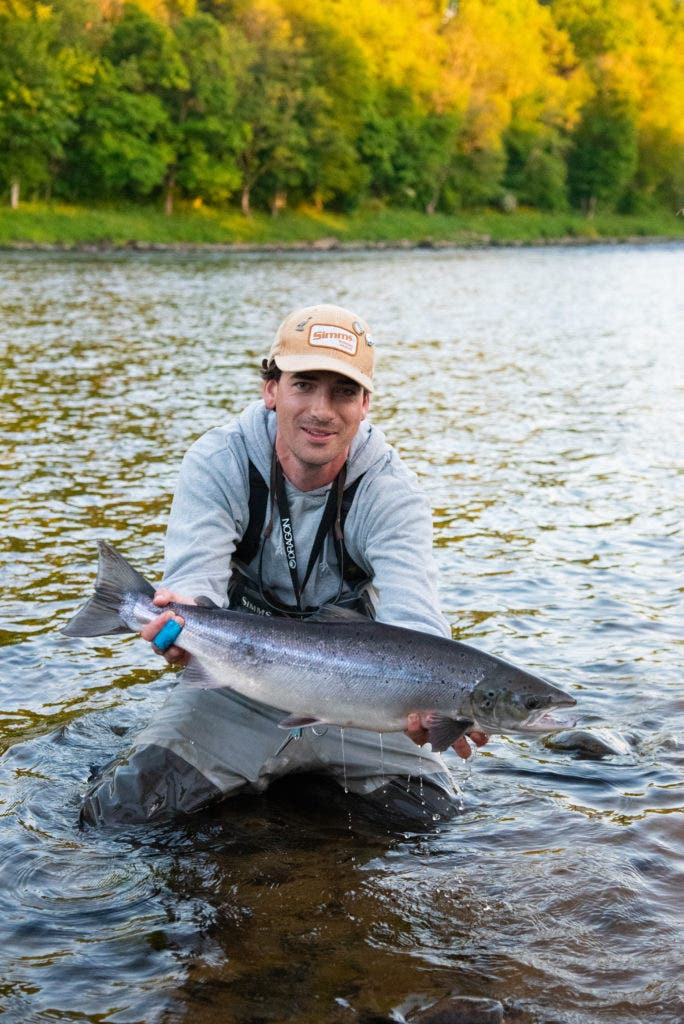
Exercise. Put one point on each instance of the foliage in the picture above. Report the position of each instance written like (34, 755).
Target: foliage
(274, 103)
(603, 157)
(536, 171)
(38, 83)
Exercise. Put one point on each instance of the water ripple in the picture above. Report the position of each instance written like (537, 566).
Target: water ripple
(539, 396)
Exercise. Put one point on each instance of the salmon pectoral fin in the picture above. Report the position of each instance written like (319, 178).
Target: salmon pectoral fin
(443, 731)
(299, 722)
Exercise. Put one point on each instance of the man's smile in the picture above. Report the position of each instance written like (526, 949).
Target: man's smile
(318, 433)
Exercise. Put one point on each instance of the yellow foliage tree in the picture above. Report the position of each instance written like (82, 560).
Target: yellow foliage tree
(509, 59)
(400, 39)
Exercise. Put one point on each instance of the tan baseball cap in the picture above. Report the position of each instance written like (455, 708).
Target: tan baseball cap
(325, 337)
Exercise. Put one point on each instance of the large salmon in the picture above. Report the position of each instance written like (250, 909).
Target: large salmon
(347, 672)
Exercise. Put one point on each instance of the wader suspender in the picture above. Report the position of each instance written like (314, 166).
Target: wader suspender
(334, 515)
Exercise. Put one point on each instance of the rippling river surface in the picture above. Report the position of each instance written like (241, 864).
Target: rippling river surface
(539, 396)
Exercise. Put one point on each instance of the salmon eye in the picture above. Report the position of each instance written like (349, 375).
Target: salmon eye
(532, 702)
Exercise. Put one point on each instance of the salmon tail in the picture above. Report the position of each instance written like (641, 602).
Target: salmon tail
(100, 616)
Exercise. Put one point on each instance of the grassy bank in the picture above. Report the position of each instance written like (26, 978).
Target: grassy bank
(118, 226)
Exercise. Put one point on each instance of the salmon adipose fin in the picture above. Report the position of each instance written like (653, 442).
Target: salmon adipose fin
(100, 615)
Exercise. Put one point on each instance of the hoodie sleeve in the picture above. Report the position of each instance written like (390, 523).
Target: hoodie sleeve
(389, 531)
(208, 516)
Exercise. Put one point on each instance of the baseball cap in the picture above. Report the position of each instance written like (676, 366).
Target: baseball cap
(325, 337)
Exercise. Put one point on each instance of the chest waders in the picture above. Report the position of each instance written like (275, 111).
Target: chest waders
(246, 590)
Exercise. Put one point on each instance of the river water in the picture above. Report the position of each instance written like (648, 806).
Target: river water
(539, 396)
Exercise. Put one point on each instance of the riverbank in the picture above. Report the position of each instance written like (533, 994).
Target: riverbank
(40, 225)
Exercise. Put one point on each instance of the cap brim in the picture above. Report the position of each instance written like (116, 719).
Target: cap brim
(302, 363)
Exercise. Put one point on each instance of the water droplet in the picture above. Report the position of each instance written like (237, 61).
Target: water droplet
(344, 764)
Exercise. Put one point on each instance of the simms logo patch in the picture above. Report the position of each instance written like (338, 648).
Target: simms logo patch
(327, 336)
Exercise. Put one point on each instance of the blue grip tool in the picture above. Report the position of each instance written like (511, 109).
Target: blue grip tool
(167, 635)
(293, 734)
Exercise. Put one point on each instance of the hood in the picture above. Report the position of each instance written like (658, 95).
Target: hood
(257, 424)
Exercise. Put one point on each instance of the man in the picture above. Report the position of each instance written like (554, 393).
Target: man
(297, 503)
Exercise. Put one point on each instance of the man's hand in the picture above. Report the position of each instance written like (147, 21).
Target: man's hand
(416, 731)
(173, 654)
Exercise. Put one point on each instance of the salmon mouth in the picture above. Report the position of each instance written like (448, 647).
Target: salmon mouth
(545, 721)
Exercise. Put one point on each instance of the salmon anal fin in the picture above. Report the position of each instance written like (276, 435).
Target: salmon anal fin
(298, 721)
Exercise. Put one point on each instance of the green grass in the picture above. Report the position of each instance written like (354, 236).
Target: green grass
(42, 224)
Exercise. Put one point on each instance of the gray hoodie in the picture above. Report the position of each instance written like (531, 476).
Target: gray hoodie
(388, 531)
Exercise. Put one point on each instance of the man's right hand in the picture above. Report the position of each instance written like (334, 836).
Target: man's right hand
(417, 732)
(174, 655)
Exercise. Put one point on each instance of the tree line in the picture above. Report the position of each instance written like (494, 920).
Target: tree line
(434, 105)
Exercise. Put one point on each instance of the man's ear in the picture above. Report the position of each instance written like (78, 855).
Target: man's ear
(268, 392)
(366, 402)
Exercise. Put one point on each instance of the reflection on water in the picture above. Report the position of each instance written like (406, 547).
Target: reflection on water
(538, 395)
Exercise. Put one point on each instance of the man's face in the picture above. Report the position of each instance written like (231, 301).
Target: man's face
(318, 415)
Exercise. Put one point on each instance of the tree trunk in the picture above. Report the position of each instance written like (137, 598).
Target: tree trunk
(168, 199)
(244, 202)
(14, 194)
(438, 185)
(279, 203)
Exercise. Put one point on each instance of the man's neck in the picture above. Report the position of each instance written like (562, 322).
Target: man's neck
(306, 477)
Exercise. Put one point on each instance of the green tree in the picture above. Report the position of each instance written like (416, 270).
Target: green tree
(124, 144)
(122, 147)
(659, 180)
(478, 177)
(159, 114)
(335, 88)
(208, 133)
(273, 153)
(603, 155)
(412, 153)
(39, 81)
(436, 148)
(536, 171)
(391, 174)
(146, 55)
